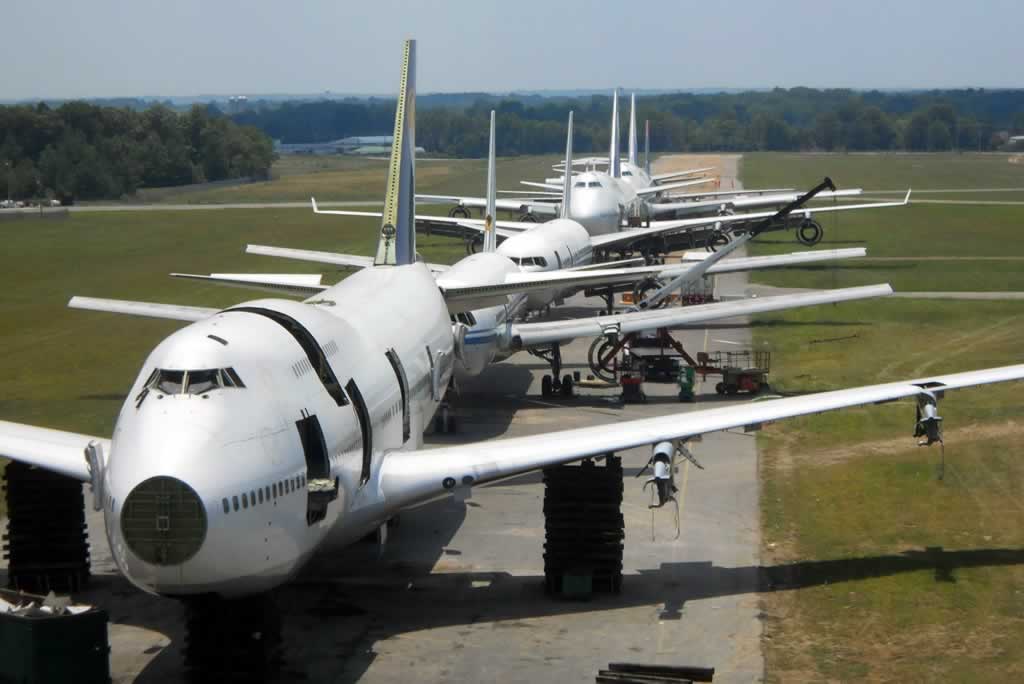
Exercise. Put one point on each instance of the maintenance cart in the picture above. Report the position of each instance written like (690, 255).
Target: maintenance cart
(741, 371)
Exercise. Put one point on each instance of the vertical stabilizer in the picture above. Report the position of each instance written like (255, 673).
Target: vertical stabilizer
(397, 243)
(633, 153)
(613, 151)
(647, 147)
(491, 213)
(567, 179)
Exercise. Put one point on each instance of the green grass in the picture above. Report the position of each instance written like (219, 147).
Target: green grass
(849, 504)
(296, 178)
(69, 369)
(883, 171)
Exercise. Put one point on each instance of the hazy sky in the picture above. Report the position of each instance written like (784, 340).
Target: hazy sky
(71, 48)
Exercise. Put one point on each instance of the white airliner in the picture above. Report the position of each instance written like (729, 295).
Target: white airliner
(256, 435)
(564, 249)
(603, 201)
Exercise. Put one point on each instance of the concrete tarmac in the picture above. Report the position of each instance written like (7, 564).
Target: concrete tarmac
(456, 595)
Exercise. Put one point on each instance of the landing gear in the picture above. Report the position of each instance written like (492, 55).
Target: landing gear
(445, 422)
(459, 211)
(809, 233)
(646, 285)
(474, 244)
(527, 217)
(550, 385)
(232, 640)
(717, 239)
(46, 545)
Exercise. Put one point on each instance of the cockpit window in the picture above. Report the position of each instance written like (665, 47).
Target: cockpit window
(465, 317)
(593, 184)
(580, 184)
(170, 382)
(193, 381)
(627, 173)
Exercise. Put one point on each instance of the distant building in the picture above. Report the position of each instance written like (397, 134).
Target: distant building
(237, 104)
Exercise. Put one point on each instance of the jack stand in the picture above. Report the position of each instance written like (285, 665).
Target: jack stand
(583, 528)
(46, 544)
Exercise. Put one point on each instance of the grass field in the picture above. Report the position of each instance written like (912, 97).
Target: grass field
(340, 178)
(922, 230)
(878, 570)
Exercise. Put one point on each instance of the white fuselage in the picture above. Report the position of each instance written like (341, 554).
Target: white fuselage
(208, 492)
(600, 202)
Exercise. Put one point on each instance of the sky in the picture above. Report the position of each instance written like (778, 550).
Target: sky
(108, 48)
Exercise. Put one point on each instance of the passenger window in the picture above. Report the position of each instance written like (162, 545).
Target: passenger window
(245, 500)
(234, 502)
(260, 494)
(227, 508)
(273, 488)
(252, 497)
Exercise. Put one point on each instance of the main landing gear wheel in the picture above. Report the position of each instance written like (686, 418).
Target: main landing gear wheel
(474, 245)
(718, 239)
(809, 233)
(545, 386)
(459, 212)
(566, 388)
(600, 358)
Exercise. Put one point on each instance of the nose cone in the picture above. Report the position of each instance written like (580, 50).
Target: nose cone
(163, 521)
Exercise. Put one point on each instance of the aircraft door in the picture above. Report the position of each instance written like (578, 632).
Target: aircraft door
(365, 427)
(403, 386)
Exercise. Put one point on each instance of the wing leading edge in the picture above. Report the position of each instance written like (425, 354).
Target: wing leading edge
(411, 477)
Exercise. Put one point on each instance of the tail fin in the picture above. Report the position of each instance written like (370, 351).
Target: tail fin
(613, 151)
(633, 154)
(647, 147)
(490, 214)
(397, 243)
(567, 180)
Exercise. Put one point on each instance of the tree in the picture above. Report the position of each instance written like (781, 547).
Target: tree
(916, 135)
(827, 131)
(939, 137)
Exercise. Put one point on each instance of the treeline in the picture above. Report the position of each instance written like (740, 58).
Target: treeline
(85, 151)
(780, 119)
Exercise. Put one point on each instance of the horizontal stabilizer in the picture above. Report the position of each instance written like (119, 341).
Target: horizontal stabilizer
(303, 285)
(174, 312)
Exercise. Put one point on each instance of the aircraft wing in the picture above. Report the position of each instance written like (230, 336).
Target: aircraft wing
(56, 450)
(409, 478)
(302, 285)
(541, 208)
(503, 228)
(625, 237)
(174, 312)
(658, 178)
(655, 189)
(545, 332)
(734, 203)
(351, 260)
(783, 260)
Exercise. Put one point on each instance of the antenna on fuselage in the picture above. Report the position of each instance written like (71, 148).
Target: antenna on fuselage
(490, 215)
(613, 150)
(633, 156)
(567, 179)
(397, 243)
